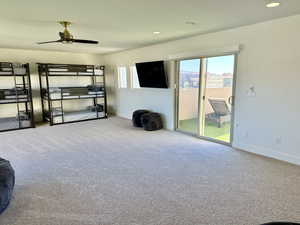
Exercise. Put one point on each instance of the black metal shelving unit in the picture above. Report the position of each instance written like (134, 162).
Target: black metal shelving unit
(63, 102)
(16, 106)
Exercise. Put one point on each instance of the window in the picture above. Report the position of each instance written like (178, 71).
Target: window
(122, 77)
(134, 78)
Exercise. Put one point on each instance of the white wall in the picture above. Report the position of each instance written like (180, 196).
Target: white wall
(267, 124)
(34, 56)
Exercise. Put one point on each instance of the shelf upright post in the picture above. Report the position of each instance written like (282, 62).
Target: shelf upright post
(61, 106)
(40, 70)
(104, 85)
(24, 88)
(94, 82)
(16, 93)
(30, 95)
(49, 97)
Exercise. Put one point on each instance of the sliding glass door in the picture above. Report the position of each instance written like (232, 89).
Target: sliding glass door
(205, 97)
(218, 96)
(188, 96)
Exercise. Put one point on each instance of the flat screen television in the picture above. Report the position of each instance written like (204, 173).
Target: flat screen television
(152, 74)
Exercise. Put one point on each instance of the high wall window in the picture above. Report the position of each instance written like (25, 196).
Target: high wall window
(134, 78)
(122, 77)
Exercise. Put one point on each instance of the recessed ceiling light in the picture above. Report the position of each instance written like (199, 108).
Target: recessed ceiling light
(272, 4)
(156, 32)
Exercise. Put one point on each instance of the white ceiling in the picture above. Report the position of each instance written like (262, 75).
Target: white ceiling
(126, 24)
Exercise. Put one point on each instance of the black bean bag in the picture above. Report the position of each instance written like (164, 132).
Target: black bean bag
(7, 183)
(151, 121)
(136, 117)
(281, 223)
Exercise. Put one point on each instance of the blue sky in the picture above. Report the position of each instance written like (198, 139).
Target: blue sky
(218, 65)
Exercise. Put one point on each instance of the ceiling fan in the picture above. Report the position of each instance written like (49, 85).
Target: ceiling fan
(67, 38)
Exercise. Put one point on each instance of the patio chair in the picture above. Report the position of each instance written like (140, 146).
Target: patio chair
(221, 112)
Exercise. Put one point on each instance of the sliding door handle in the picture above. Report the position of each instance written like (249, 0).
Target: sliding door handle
(230, 100)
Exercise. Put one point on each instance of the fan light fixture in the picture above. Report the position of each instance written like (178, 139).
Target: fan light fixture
(67, 38)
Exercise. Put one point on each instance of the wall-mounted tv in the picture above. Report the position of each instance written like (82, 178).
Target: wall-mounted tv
(152, 74)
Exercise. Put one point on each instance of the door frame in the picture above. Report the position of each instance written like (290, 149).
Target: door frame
(200, 100)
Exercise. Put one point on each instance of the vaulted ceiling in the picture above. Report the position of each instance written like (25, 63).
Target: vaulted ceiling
(126, 24)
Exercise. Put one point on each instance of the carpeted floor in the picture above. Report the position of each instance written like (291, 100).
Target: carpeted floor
(109, 173)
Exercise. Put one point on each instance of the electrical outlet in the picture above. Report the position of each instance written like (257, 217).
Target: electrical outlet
(251, 92)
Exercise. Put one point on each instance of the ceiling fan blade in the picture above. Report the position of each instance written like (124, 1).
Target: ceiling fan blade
(85, 41)
(47, 42)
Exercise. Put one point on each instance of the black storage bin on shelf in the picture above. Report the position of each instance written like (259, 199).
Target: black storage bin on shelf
(136, 117)
(151, 121)
(7, 183)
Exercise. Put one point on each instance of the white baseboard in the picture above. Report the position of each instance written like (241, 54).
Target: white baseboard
(123, 116)
(268, 152)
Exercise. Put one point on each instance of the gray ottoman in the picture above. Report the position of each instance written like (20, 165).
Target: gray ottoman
(151, 121)
(7, 183)
(136, 117)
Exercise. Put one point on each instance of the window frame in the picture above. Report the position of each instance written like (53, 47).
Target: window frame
(120, 70)
(134, 77)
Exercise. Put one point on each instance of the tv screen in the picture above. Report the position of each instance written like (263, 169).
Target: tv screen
(152, 74)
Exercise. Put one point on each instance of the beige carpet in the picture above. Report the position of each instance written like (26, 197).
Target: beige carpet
(108, 173)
